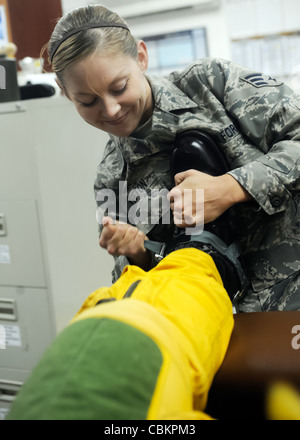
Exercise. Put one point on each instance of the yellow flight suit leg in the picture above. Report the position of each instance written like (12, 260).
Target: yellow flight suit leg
(183, 307)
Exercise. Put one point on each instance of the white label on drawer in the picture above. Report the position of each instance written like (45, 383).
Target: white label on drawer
(13, 335)
(4, 254)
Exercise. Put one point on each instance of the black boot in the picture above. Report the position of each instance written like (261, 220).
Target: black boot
(195, 150)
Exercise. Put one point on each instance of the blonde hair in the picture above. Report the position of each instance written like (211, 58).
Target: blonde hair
(112, 40)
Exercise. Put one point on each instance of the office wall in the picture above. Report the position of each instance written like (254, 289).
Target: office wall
(213, 19)
(234, 19)
(265, 36)
(253, 18)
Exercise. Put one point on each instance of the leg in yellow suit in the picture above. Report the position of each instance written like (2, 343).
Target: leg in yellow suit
(146, 348)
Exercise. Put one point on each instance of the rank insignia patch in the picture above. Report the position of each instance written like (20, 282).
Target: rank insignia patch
(259, 80)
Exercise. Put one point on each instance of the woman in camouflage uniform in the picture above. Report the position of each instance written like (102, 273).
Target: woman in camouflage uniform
(254, 119)
(149, 346)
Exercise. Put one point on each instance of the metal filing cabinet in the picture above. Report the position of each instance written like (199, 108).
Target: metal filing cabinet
(26, 319)
(50, 260)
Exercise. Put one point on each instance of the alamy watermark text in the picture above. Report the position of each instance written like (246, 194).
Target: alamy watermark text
(141, 207)
(296, 338)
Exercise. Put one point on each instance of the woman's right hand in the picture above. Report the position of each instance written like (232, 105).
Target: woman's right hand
(120, 239)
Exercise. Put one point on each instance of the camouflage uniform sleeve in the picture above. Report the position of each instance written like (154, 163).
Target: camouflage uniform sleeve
(111, 170)
(267, 112)
(120, 264)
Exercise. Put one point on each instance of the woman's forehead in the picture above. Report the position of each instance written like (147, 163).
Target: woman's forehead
(95, 70)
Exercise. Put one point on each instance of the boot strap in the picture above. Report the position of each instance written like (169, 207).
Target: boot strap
(232, 253)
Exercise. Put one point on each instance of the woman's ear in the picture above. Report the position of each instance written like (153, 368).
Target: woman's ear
(143, 58)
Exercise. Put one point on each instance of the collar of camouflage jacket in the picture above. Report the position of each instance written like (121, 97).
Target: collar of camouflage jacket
(169, 104)
(168, 97)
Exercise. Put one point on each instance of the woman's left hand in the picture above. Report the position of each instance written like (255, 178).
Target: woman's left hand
(218, 195)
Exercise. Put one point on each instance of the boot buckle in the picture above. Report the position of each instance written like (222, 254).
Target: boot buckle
(157, 249)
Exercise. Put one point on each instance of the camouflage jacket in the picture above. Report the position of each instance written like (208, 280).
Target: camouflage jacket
(256, 121)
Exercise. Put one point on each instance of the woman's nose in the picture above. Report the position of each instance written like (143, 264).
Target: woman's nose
(111, 108)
